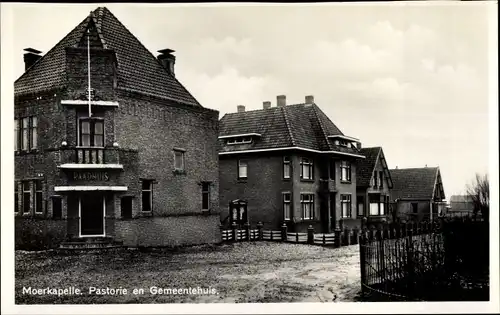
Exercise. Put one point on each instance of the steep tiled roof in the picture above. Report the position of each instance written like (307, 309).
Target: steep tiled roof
(413, 183)
(298, 125)
(364, 167)
(138, 69)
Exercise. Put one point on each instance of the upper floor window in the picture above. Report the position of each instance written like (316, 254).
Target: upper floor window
(381, 179)
(287, 213)
(287, 166)
(332, 169)
(147, 195)
(306, 168)
(91, 132)
(307, 205)
(26, 133)
(179, 164)
(205, 196)
(375, 179)
(345, 168)
(239, 140)
(346, 206)
(242, 169)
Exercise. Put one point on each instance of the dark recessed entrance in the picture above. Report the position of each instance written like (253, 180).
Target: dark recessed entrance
(92, 210)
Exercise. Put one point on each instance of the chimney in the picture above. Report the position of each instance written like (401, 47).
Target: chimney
(167, 60)
(266, 105)
(309, 99)
(240, 108)
(30, 57)
(281, 100)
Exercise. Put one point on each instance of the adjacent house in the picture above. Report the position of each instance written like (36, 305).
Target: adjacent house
(373, 181)
(417, 193)
(110, 145)
(290, 164)
(461, 205)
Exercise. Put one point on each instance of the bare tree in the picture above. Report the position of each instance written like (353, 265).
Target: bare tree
(479, 192)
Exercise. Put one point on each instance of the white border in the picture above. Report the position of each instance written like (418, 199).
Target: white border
(89, 166)
(97, 103)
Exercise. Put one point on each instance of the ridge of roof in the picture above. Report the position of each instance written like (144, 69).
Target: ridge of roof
(321, 126)
(288, 126)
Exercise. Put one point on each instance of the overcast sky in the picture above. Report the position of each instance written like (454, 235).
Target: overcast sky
(412, 79)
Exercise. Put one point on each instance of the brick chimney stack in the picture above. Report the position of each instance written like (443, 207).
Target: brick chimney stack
(309, 99)
(281, 100)
(30, 57)
(167, 60)
(266, 105)
(240, 108)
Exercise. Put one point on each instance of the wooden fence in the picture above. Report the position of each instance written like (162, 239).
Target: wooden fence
(338, 238)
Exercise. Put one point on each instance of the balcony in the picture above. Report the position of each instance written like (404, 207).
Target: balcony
(327, 185)
(92, 158)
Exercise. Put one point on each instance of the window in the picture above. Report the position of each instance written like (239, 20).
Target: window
(57, 208)
(239, 140)
(361, 206)
(381, 179)
(287, 213)
(33, 133)
(16, 134)
(306, 169)
(26, 197)
(375, 179)
(38, 196)
(242, 169)
(92, 132)
(332, 169)
(307, 205)
(126, 207)
(377, 204)
(345, 203)
(179, 160)
(147, 195)
(205, 196)
(16, 198)
(286, 167)
(25, 134)
(345, 168)
(414, 207)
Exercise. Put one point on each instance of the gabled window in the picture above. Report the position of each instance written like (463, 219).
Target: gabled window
(242, 169)
(287, 167)
(375, 179)
(381, 179)
(287, 210)
(346, 206)
(38, 196)
(147, 195)
(205, 196)
(91, 132)
(26, 197)
(345, 168)
(306, 169)
(307, 206)
(179, 160)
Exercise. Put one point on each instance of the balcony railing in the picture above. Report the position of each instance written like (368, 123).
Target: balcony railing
(88, 157)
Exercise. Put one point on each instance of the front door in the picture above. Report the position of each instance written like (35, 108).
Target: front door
(92, 210)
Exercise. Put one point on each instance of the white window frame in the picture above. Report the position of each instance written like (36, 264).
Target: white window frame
(345, 165)
(242, 163)
(306, 163)
(287, 167)
(347, 201)
(183, 160)
(307, 206)
(287, 206)
(239, 140)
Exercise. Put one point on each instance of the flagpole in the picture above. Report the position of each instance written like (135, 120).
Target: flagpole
(88, 69)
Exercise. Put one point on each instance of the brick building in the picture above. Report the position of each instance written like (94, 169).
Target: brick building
(374, 183)
(418, 193)
(139, 165)
(291, 164)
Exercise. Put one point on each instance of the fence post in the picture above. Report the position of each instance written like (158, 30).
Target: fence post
(362, 261)
(247, 229)
(235, 231)
(310, 235)
(382, 271)
(283, 232)
(410, 263)
(259, 228)
(338, 237)
(347, 233)
(356, 236)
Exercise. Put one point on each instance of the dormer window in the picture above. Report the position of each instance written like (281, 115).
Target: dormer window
(344, 141)
(246, 138)
(239, 140)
